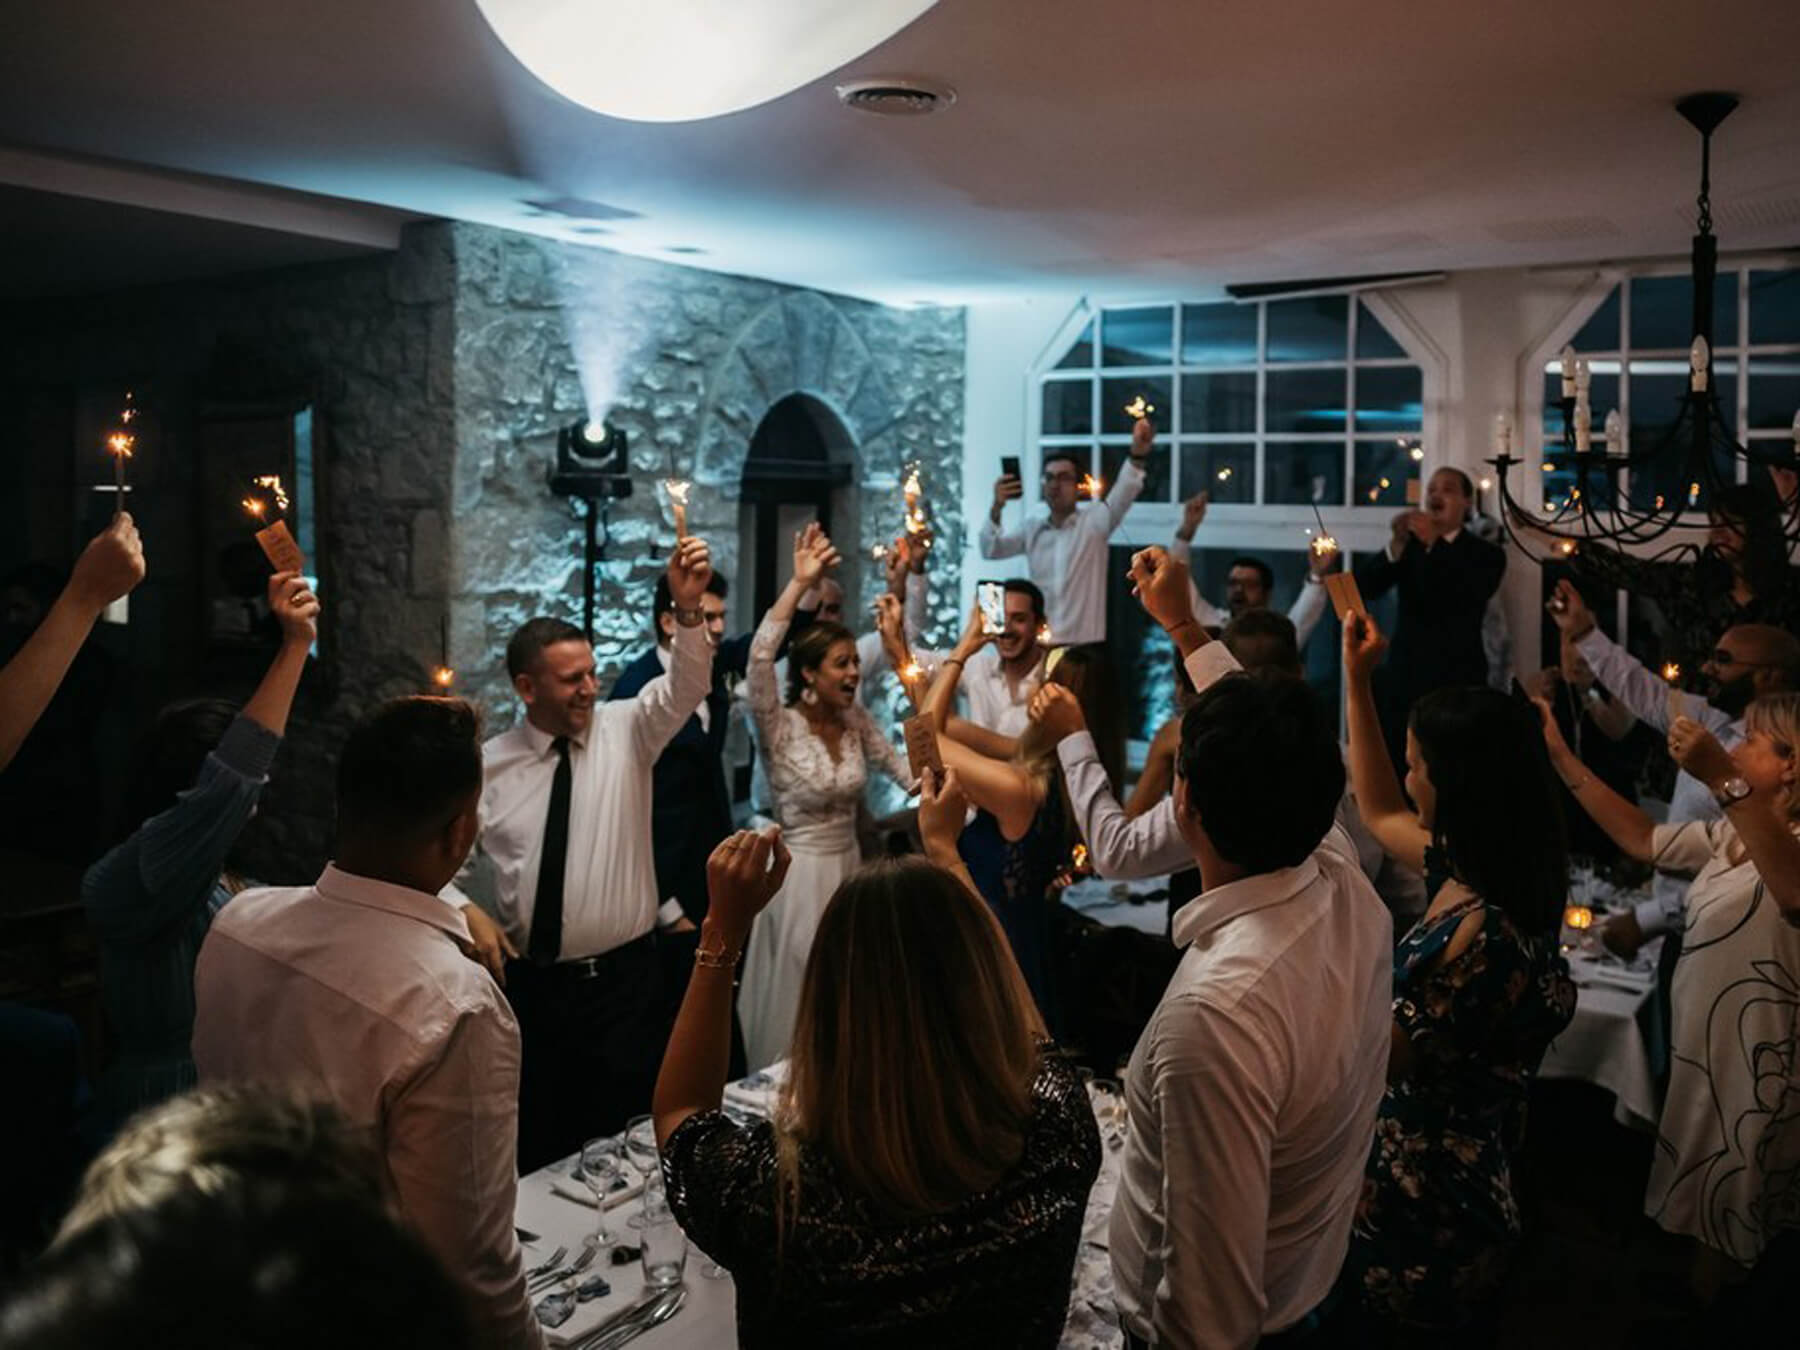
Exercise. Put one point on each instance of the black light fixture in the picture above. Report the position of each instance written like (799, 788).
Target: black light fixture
(1697, 456)
(593, 465)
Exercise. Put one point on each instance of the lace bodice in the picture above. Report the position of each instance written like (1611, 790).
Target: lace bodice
(810, 786)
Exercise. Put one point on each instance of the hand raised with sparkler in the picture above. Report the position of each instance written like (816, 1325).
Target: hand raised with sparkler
(1193, 514)
(111, 564)
(295, 608)
(1055, 708)
(1161, 586)
(1143, 440)
(1363, 648)
(690, 568)
(1570, 611)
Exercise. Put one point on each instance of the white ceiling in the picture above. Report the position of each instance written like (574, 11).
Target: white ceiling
(1130, 147)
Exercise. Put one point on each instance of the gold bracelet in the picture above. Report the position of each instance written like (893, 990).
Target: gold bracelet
(952, 660)
(723, 959)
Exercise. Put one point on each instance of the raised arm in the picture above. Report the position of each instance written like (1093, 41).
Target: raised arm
(1624, 823)
(1158, 777)
(813, 555)
(1379, 800)
(993, 542)
(1758, 818)
(1130, 482)
(1181, 548)
(1644, 694)
(111, 564)
(663, 706)
(1309, 606)
(941, 698)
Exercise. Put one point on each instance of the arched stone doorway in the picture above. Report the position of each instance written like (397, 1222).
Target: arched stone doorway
(800, 467)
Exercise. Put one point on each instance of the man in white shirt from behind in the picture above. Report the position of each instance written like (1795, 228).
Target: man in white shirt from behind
(1064, 539)
(1253, 1090)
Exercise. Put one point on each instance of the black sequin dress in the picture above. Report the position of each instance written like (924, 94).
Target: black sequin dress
(994, 1271)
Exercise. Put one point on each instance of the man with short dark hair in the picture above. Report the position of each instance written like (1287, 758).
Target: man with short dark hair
(566, 849)
(1065, 543)
(1253, 1090)
(358, 989)
(1250, 582)
(999, 680)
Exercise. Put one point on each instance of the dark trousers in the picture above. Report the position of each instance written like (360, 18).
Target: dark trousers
(592, 1035)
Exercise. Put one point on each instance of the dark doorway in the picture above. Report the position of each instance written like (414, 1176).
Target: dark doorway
(789, 478)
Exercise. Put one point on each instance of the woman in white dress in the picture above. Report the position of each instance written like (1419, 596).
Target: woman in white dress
(1727, 1165)
(818, 743)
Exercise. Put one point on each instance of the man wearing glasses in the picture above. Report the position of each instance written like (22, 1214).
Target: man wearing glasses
(1064, 543)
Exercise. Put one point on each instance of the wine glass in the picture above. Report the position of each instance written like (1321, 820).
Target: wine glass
(600, 1167)
(640, 1150)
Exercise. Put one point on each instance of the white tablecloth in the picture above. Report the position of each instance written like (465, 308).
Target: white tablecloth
(1143, 905)
(708, 1320)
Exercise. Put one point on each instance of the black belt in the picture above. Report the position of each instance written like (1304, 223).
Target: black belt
(591, 967)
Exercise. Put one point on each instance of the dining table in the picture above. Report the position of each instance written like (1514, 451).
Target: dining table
(556, 1210)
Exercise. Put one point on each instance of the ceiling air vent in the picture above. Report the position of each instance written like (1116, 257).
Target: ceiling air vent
(892, 96)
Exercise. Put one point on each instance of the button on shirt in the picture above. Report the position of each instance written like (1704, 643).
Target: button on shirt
(1646, 697)
(1068, 561)
(609, 885)
(358, 991)
(1252, 1096)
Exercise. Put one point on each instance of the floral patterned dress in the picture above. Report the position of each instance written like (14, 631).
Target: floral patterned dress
(1437, 1220)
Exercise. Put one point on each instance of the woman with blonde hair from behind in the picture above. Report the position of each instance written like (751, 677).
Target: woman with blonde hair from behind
(1726, 1171)
(925, 1176)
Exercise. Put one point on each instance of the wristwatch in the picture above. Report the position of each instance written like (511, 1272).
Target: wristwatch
(1732, 791)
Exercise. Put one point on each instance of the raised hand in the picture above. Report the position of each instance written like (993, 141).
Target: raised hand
(974, 634)
(295, 608)
(1553, 737)
(814, 555)
(942, 811)
(1193, 514)
(111, 564)
(1322, 561)
(1569, 611)
(1007, 488)
(1698, 751)
(1143, 436)
(690, 568)
(1363, 646)
(743, 874)
(1057, 711)
(1161, 586)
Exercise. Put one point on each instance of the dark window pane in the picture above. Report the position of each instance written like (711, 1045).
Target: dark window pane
(1314, 329)
(1390, 398)
(1774, 391)
(1383, 470)
(1298, 473)
(1081, 355)
(1373, 342)
(1304, 400)
(1116, 395)
(1601, 332)
(1218, 335)
(1662, 311)
(1137, 337)
(1225, 469)
(1156, 469)
(1068, 407)
(1211, 404)
(1775, 306)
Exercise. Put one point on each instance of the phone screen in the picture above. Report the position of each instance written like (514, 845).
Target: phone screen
(991, 596)
(1009, 466)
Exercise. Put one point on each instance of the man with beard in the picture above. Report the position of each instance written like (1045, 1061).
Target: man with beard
(1748, 661)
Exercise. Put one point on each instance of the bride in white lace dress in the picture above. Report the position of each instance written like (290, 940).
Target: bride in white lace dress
(818, 743)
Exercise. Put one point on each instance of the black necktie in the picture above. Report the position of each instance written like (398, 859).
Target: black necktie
(547, 910)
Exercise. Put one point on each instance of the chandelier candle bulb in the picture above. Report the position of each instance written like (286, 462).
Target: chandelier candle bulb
(1615, 433)
(1568, 372)
(1699, 359)
(1578, 917)
(1502, 435)
(1584, 377)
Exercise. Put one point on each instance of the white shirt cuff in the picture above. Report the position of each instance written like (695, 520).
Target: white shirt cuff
(1074, 749)
(670, 914)
(1209, 664)
(1651, 917)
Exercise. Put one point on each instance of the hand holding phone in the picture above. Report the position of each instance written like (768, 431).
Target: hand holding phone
(991, 597)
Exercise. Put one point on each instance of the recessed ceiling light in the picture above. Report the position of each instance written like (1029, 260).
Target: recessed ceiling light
(896, 95)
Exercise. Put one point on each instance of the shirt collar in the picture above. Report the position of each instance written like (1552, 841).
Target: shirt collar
(1212, 910)
(542, 743)
(350, 889)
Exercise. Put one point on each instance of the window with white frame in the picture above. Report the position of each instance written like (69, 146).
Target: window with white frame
(1303, 401)
(1636, 344)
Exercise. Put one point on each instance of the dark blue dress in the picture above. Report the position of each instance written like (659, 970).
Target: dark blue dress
(1014, 878)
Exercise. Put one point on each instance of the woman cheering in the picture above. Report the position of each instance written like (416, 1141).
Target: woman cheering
(1727, 1166)
(818, 743)
(1479, 991)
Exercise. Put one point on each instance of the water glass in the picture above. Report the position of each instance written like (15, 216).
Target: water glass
(640, 1150)
(600, 1168)
(664, 1245)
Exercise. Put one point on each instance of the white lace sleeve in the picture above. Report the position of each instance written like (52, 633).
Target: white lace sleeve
(759, 684)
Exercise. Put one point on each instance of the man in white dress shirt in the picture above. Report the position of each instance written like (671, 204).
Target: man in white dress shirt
(1065, 542)
(1253, 1090)
(574, 780)
(357, 989)
(1250, 582)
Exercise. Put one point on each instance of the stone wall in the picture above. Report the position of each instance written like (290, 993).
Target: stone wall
(686, 363)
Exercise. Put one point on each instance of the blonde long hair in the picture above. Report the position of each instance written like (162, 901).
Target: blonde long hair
(914, 1048)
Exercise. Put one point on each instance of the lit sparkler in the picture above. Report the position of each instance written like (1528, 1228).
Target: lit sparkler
(677, 490)
(1138, 410)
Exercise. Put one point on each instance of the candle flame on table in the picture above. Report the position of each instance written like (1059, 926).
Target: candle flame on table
(1092, 486)
(1138, 410)
(1578, 917)
(443, 677)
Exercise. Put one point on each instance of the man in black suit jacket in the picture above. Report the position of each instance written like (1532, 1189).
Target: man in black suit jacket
(1445, 576)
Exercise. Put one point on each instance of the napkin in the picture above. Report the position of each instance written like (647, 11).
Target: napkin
(570, 1189)
(757, 1093)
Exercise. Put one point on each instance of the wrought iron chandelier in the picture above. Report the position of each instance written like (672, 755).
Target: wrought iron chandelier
(1634, 497)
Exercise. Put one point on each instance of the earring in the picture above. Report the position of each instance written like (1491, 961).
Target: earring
(809, 695)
